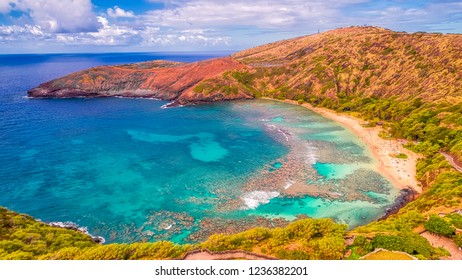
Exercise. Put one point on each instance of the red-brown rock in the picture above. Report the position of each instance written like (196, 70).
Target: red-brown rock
(155, 79)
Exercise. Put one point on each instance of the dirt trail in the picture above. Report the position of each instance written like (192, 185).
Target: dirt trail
(446, 243)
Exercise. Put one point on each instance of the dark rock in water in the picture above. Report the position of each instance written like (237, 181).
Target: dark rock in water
(75, 227)
(98, 239)
(406, 196)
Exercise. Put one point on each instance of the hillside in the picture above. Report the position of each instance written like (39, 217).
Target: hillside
(364, 61)
(23, 238)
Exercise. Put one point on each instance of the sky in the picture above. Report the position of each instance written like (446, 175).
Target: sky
(65, 26)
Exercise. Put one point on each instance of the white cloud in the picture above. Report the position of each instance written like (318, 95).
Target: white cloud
(26, 33)
(21, 30)
(118, 12)
(165, 40)
(55, 15)
(110, 35)
(200, 24)
(261, 14)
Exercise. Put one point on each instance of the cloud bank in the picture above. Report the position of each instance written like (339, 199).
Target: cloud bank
(205, 24)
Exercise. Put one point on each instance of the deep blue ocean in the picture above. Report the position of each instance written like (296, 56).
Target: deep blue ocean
(129, 170)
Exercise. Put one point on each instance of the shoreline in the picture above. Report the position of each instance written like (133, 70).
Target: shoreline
(400, 172)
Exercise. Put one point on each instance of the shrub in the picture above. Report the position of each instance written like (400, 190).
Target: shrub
(408, 242)
(458, 240)
(401, 155)
(439, 226)
(456, 220)
(364, 246)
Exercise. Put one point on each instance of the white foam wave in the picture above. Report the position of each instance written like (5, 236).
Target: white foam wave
(76, 227)
(283, 133)
(253, 199)
(311, 157)
(289, 184)
(166, 106)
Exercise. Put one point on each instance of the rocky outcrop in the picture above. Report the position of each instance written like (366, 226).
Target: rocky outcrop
(406, 196)
(75, 227)
(155, 79)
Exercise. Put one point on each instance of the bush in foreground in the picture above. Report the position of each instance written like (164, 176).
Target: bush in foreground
(411, 243)
(439, 226)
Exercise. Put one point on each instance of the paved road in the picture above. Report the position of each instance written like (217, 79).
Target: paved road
(452, 162)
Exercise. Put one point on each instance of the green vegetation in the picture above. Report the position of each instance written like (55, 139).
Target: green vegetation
(362, 245)
(404, 222)
(21, 237)
(400, 155)
(408, 242)
(455, 219)
(439, 226)
(134, 251)
(446, 226)
(458, 240)
(307, 239)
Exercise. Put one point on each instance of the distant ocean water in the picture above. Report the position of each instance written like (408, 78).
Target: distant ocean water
(128, 170)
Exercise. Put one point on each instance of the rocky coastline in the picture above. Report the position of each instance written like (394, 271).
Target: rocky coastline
(406, 196)
(76, 227)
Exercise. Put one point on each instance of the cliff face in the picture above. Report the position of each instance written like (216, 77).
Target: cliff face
(155, 79)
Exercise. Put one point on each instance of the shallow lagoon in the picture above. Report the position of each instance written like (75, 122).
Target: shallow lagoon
(129, 170)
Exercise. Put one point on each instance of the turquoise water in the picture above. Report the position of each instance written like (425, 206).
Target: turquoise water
(336, 170)
(129, 171)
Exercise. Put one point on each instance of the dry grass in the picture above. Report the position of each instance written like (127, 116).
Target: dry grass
(387, 255)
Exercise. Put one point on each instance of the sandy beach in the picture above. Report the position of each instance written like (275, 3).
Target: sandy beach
(400, 172)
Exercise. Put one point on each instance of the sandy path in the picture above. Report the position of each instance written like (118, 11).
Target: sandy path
(400, 172)
(446, 243)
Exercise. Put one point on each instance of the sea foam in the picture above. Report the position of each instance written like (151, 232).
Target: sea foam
(253, 199)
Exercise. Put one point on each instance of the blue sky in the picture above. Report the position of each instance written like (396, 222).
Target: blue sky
(36, 26)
